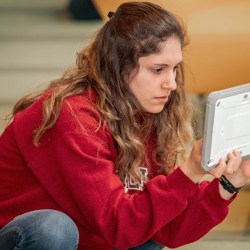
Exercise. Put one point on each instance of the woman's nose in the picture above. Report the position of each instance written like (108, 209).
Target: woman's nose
(170, 81)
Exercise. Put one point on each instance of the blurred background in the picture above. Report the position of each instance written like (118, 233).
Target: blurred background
(39, 39)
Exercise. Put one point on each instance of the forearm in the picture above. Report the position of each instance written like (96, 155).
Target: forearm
(191, 172)
(206, 210)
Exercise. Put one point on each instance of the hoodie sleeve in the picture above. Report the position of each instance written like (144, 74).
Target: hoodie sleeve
(205, 210)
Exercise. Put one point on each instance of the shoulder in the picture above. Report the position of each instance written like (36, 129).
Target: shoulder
(81, 121)
(85, 102)
(80, 116)
(80, 109)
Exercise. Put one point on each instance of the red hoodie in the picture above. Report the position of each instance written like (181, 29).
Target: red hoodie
(72, 170)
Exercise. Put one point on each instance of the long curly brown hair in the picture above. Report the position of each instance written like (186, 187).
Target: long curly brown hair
(135, 30)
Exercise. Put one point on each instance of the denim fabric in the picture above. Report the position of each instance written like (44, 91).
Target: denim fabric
(149, 245)
(40, 230)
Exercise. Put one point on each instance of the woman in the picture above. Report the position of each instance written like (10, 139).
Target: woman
(99, 147)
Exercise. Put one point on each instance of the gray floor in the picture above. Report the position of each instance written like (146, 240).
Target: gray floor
(36, 44)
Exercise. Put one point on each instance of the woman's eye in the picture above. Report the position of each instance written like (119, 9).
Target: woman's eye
(157, 70)
(176, 68)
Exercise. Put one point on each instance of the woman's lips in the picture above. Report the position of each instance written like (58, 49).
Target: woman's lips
(162, 99)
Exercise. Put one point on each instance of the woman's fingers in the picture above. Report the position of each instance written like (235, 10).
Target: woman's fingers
(234, 161)
(245, 167)
(219, 170)
(229, 167)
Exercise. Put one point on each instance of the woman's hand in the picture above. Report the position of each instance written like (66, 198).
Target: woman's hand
(245, 168)
(238, 178)
(235, 170)
(241, 175)
(229, 167)
(192, 166)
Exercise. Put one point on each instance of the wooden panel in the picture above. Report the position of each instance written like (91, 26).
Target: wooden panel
(219, 51)
(178, 6)
(104, 6)
(218, 55)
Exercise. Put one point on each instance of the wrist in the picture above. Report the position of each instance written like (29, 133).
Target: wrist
(224, 193)
(192, 172)
(236, 181)
(228, 186)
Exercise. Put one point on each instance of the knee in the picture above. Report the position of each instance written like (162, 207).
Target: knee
(56, 228)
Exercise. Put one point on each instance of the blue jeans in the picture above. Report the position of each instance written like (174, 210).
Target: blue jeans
(40, 230)
(47, 230)
(149, 245)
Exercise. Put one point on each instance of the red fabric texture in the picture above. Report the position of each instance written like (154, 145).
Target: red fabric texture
(72, 170)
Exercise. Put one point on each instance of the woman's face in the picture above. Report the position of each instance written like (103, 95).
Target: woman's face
(156, 76)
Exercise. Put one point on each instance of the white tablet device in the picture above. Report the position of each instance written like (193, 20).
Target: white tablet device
(227, 125)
